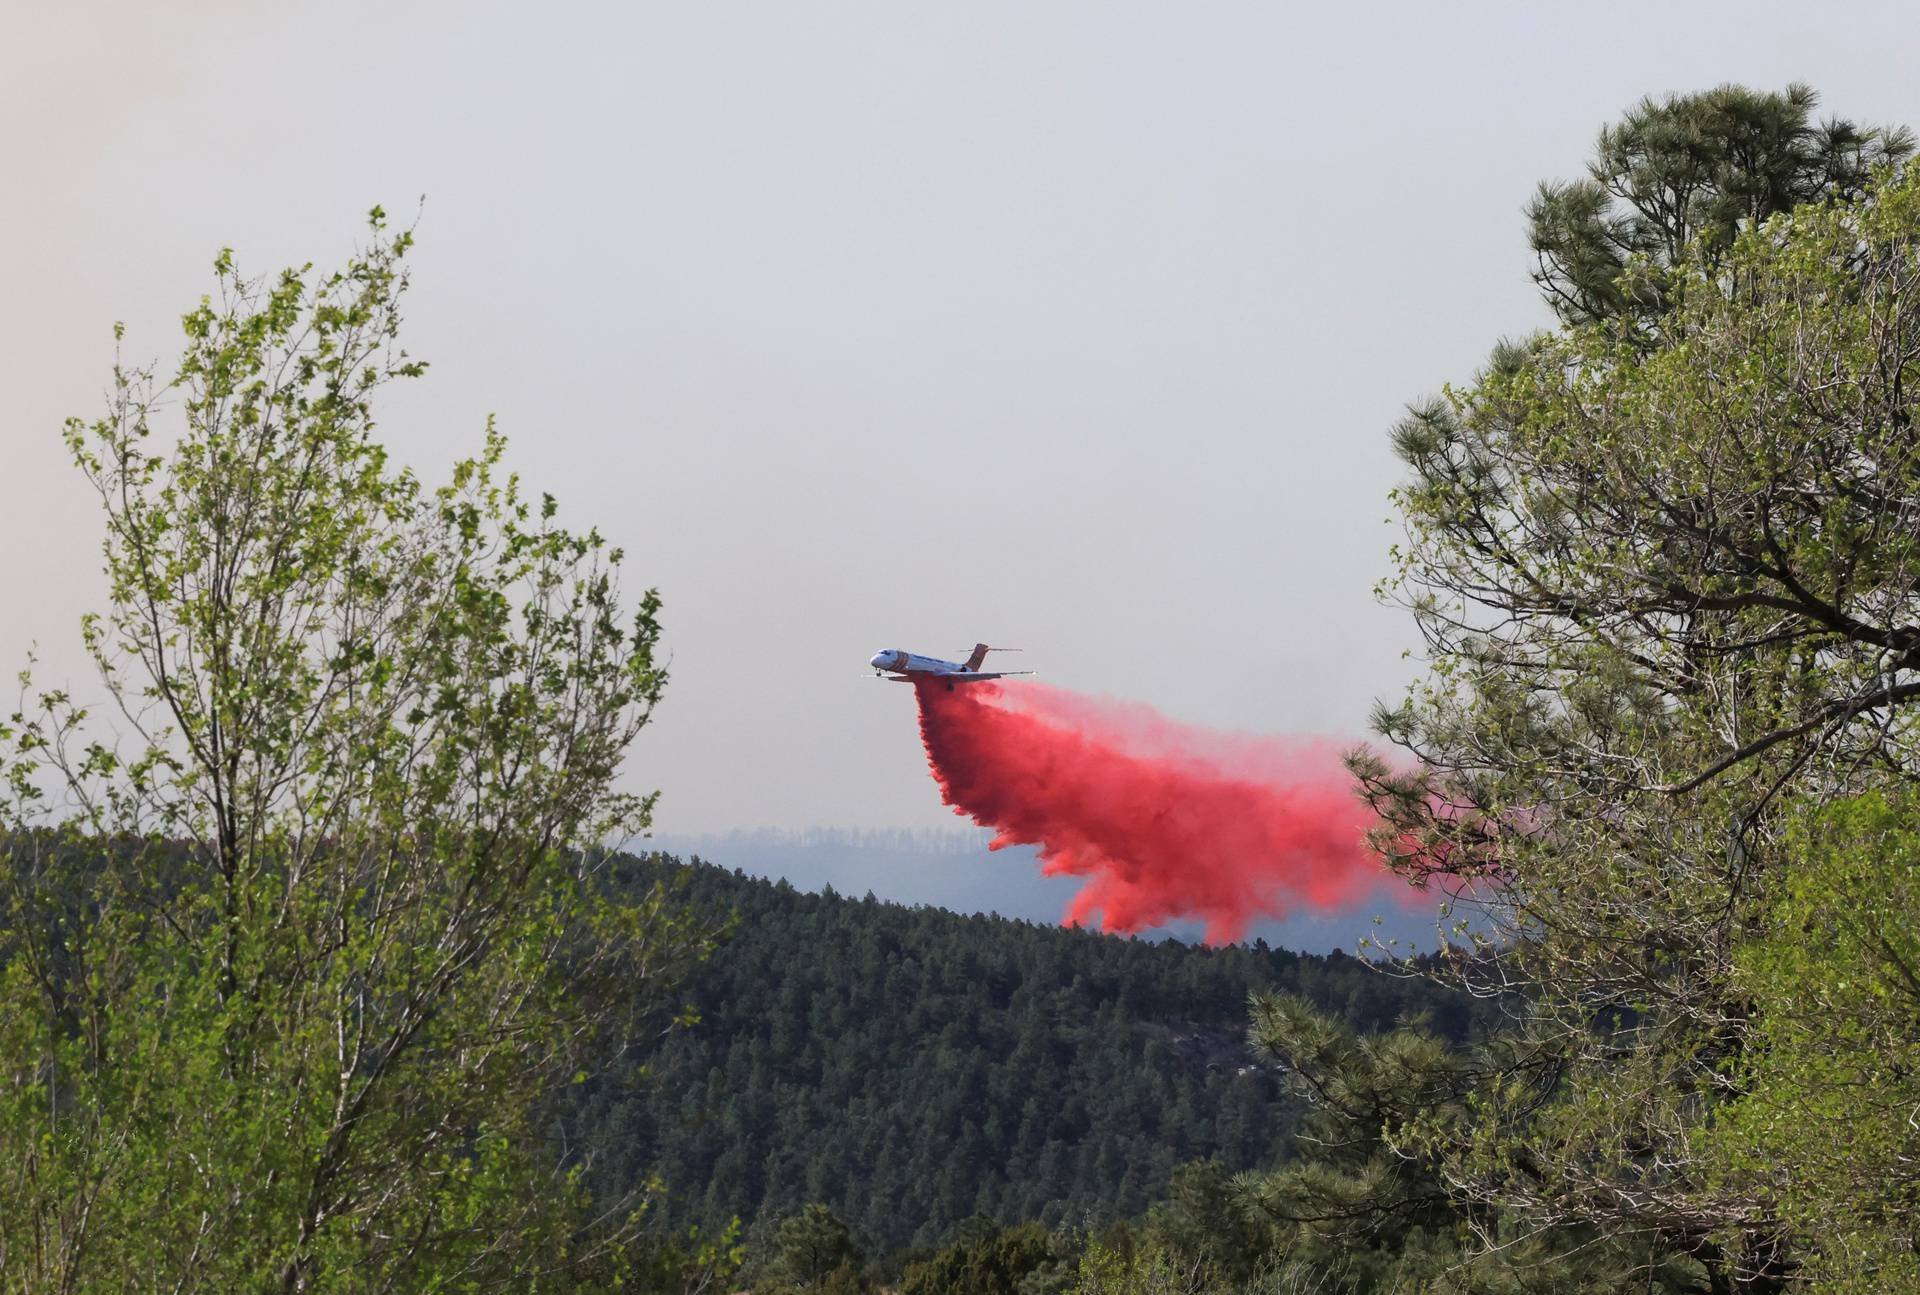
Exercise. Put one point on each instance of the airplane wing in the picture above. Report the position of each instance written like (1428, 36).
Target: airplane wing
(971, 676)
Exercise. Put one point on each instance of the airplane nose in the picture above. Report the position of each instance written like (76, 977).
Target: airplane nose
(881, 660)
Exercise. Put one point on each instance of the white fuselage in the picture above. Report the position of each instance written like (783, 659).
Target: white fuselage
(908, 666)
(895, 661)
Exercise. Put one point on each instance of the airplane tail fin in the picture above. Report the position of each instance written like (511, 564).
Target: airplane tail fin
(979, 655)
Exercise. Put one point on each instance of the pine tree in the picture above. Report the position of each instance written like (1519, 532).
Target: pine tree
(1676, 178)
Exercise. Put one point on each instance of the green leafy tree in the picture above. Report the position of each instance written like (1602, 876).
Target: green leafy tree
(291, 973)
(1823, 1126)
(1677, 178)
(811, 1246)
(691, 1262)
(1364, 1203)
(1201, 1220)
(1668, 590)
(988, 1260)
(1347, 1211)
(1137, 1269)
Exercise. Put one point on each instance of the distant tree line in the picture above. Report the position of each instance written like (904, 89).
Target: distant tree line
(913, 1068)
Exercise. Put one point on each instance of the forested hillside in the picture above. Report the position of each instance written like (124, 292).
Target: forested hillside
(912, 1067)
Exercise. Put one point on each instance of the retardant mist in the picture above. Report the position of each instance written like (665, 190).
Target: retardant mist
(1165, 821)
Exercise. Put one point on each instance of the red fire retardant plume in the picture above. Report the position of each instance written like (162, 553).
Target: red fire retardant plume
(1164, 820)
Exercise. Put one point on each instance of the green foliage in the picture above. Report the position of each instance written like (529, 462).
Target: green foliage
(1146, 1269)
(1823, 1128)
(1677, 179)
(692, 1262)
(1365, 1203)
(1202, 1219)
(1666, 578)
(294, 969)
(912, 1068)
(812, 1246)
(1352, 1182)
(987, 1260)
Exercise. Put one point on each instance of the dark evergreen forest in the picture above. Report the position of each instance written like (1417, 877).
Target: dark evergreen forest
(913, 1067)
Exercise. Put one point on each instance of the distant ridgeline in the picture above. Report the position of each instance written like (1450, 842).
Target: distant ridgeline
(952, 868)
(911, 1067)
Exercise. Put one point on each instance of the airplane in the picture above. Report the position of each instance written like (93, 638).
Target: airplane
(904, 667)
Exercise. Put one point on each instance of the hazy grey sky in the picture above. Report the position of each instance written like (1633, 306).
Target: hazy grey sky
(1073, 326)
